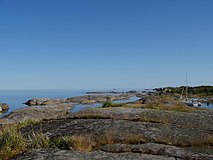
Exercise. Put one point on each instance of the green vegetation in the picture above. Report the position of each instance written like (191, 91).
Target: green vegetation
(39, 140)
(11, 140)
(76, 142)
(200, 91)
(110, 104)
(27, 123)
(11, 143)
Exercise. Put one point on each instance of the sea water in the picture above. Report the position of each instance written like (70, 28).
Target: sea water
(207, 105)
(79, 107)
(16, 98)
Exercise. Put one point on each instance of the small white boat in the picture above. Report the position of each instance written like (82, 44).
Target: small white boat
(189, 102)
(193, 103)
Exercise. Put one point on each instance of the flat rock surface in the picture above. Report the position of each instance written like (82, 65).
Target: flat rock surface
(88, 99)
(36, 113)
(51, 154)
(202, 119)
(155, 149)
(131, 133)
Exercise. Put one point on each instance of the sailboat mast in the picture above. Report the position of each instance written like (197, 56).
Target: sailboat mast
(186, 86)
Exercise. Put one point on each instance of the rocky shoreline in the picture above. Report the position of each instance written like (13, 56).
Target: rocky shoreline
(151, 128)
(87, 99)
(45, 108)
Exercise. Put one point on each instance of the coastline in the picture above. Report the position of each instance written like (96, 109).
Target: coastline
(157, 126)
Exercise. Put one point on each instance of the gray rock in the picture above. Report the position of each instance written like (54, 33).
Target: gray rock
(53, 154)
(202, 119)
(155, 149)
(124, 131)
(130, 133)
(36, 113)
(88, 99)
(42, 101)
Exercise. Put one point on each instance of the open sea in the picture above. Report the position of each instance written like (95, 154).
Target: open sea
(16, 98)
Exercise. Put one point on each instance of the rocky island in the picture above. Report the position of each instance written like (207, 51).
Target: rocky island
(157, 126)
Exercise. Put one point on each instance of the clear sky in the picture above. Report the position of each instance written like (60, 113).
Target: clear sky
(90, 44)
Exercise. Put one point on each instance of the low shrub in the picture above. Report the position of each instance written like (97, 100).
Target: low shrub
(110, 104)
(11, 143)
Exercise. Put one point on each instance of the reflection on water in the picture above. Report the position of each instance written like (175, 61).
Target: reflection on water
(79, 107)
(207, 105)
(132, 99)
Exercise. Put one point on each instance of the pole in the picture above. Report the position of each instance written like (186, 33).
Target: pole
(186, 85)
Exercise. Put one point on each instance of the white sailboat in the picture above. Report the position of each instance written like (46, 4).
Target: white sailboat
(192, 101)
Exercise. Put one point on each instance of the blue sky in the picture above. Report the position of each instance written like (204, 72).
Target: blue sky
(90, 44)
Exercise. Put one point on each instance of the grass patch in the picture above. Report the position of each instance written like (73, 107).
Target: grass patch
(112, 137)
(135, 105)
(76, 143)
(11, 143)
(174, 107)
(39, 140)
(27, 123)
(110, 104)
(81, 143)
(91, 116)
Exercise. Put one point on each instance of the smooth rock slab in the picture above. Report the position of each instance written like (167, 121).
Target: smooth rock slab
(53, 154)
(155, 149)
(36, 113)
(202, 119)
(120, 130)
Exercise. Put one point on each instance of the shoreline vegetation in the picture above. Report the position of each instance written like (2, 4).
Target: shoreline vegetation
(156, 126)
(203, 93)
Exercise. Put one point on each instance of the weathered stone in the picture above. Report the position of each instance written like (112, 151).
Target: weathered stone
(125, 122)
(88, 99)
(42, 101)
(36, 113)
(4, 106)
(53, 154)
(128, 133)
(155, 149)
(202, 119)
(98, 98)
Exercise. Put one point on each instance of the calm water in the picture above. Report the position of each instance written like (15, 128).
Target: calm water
(207, 105)
(16, 98)
(79, 107)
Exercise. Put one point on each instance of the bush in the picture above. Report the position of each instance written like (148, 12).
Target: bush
(11, 143)
(110, 104)
(107, 104)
